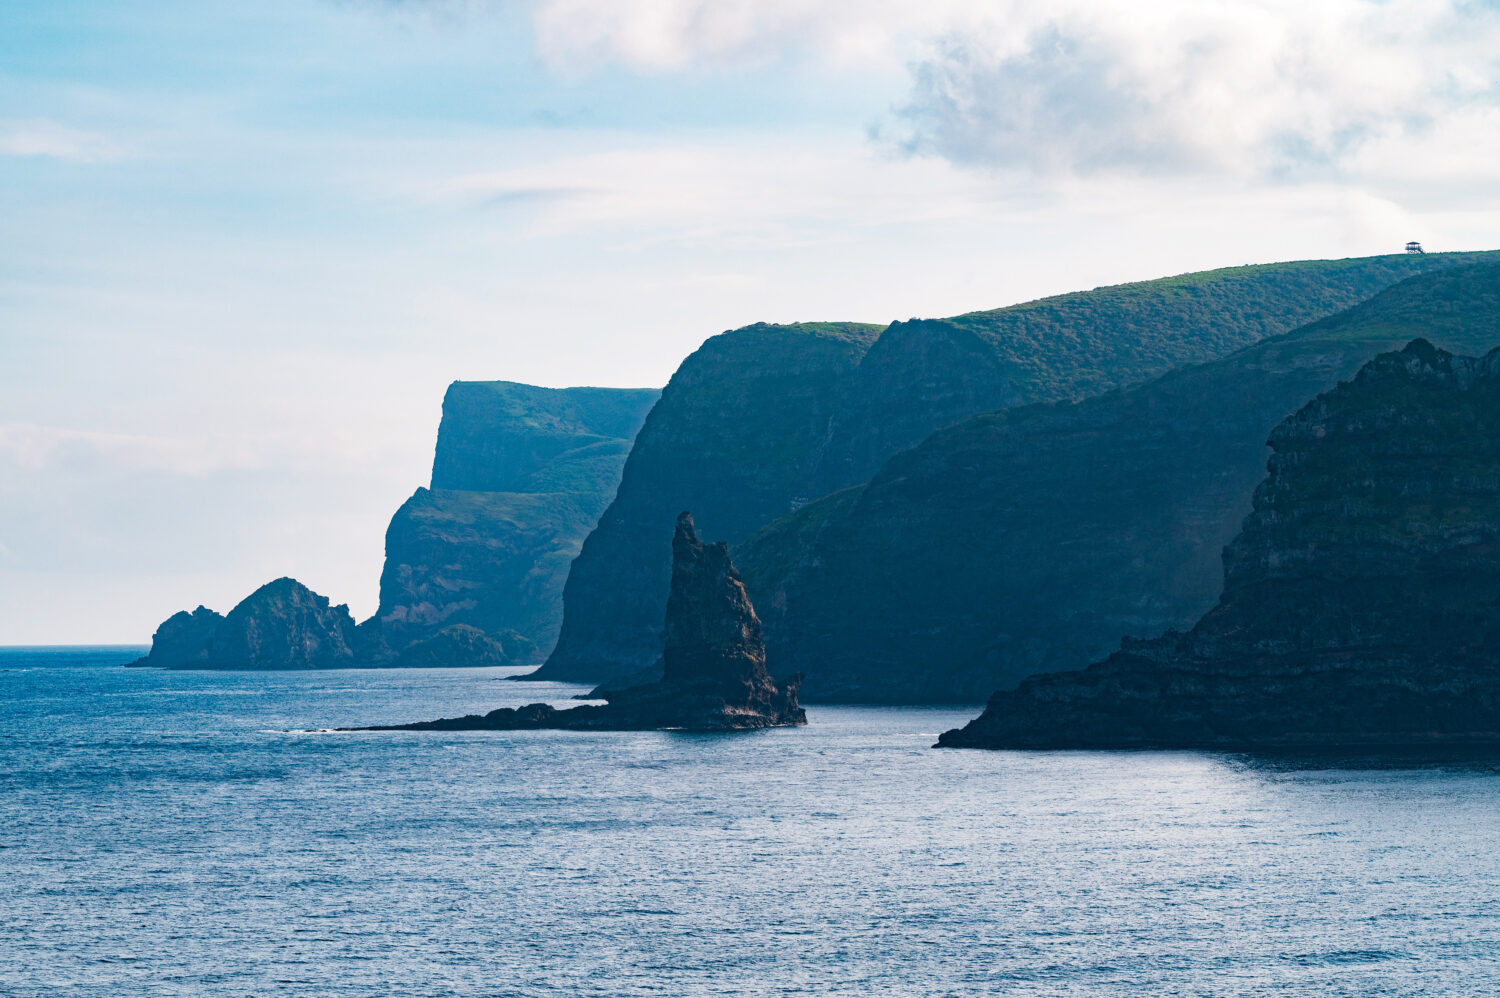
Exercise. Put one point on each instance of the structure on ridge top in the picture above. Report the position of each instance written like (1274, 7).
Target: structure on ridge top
(1414, 247)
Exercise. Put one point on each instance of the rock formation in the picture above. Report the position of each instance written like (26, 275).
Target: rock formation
(1031, 540)
(182, 640)
(519, 478)
(282, 625)
(1361, 599)
(761, 421)
(715, 664)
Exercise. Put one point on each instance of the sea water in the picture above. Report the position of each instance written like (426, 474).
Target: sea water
(191, 833)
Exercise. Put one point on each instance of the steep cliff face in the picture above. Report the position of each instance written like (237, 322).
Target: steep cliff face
(739, 434)
(1032, 540)
(496, 436)
(715, 676)
(763, 420)
(520, 477)
(1361, 600)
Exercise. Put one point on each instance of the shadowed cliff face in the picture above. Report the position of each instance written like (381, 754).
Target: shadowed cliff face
(520, 477)
(1361, 601)
(762, 421)
(715, 679)
(1033, 540)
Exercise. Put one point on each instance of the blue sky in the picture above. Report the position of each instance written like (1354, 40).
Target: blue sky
(244, 247)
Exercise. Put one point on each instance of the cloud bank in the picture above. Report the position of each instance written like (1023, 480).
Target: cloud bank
(1252, 88)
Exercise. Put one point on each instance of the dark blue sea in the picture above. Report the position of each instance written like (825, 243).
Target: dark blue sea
(186, 833)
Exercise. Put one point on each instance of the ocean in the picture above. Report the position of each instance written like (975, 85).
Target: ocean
(194, 834)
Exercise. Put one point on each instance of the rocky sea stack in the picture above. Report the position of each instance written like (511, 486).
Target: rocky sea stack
(1361, 601)
(714, 664)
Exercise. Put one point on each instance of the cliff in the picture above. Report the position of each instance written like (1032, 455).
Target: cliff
(764, 420)
(715, 674)
(1361, 600)
(1031, 540)
(519, 478)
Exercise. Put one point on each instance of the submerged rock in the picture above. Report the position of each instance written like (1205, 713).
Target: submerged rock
(1361, 600)
(714, 676)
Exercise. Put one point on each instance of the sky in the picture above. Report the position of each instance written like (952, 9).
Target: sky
(244, 247)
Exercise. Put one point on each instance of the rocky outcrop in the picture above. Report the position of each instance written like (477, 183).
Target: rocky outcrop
(764, 420)
(1361, 599)
(182, 640)
(715, 664)
(1032, 540)
(519, 478)
(282, 625)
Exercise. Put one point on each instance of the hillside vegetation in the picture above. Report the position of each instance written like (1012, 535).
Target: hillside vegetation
(1033, 539)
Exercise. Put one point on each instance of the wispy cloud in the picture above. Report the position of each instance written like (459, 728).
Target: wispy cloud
(54, 141)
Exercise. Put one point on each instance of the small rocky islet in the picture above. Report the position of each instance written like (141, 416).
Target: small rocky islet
(714, 674)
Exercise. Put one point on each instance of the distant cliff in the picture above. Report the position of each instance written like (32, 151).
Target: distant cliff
(764, 420)
(1361, 600)
(520, 477)
(1032, 540)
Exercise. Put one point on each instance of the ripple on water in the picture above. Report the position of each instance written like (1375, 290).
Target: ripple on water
(204, 834)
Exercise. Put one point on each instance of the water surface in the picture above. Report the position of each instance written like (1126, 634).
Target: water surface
(162, 834)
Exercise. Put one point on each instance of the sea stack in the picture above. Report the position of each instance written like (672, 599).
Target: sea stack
(714, 663)
(1361, 601)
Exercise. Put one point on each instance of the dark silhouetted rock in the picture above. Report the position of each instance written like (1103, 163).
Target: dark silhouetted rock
(1361, 598)
(715, 664)
(183, 639)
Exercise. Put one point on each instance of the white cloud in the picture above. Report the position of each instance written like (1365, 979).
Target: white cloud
(54, 141)
(1249, 88)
